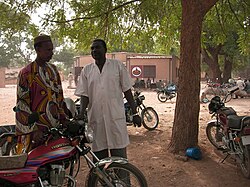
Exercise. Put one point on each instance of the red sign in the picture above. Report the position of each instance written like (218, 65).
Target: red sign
(136, 71)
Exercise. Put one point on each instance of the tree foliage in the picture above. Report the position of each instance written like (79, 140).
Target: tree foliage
(125, 25)
(16, 31)
(131, 25)
(222, 36)
(12, 52)
(65, 57)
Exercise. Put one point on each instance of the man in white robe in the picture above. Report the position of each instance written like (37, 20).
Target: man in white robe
(101, 86)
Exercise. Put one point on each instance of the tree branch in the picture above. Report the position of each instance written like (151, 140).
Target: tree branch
(96, 16)
(219, 20)
(231, 8)
(207, 5)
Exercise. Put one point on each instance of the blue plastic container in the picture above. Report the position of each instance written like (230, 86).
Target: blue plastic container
(194, 152)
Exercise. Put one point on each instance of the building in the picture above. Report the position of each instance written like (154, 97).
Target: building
(140, 66)
(2, 77)
(8, 76)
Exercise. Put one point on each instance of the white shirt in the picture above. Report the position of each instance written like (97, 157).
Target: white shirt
(106, 112)
(240, 83)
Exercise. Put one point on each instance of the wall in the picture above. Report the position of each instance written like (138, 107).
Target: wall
(166, 66)
(2, 77)
(83, 60)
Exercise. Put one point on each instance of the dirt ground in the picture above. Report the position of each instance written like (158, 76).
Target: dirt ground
(148, 149)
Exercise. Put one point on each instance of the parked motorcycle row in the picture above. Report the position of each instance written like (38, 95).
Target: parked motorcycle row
(57, 163)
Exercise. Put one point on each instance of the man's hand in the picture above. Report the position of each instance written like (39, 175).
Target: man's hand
(80, 117)
(137, 120)
(65, 123)
(33, 117)
(38, 137)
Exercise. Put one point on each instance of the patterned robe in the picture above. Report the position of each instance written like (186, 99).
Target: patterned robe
(39, 89)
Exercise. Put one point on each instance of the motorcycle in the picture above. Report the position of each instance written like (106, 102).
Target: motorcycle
(56, 163)
(166, 93)
(149, 116)
(230, 133)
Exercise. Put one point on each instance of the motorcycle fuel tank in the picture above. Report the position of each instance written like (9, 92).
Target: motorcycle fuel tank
(53, 151)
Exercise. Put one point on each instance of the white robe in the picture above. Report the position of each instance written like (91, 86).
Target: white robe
(106, 113)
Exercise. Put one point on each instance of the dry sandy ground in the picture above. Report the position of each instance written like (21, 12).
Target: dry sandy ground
(148, 149)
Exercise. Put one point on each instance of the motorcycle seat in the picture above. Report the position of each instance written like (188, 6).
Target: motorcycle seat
(13, 162)
(234, 121)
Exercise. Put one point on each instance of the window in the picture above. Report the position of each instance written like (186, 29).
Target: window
(149, 71)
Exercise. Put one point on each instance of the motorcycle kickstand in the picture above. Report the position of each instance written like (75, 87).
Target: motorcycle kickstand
(225, 158)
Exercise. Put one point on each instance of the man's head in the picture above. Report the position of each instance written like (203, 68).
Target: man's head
(44, 48)
(98, 49)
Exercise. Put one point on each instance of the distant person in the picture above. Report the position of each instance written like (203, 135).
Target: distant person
(207, 77)
(232, 82)
(240, 83)
(70, 79)
(137, 82)
(101, 87)
(149, 83)
(39, 97)
(247, 86)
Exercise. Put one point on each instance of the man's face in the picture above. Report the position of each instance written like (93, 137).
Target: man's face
(97, 50)
(45, 51)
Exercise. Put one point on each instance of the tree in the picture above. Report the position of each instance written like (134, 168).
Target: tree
(12, 53)
(185, 127)
(222, 45)
(66, 58)
(16, 31)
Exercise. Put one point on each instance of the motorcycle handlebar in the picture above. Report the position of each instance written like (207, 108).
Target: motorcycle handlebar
(73, 128)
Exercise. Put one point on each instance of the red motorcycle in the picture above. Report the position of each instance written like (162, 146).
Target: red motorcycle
(230, 133)
(57, 162)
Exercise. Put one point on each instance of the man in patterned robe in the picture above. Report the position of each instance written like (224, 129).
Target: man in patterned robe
(39, 97)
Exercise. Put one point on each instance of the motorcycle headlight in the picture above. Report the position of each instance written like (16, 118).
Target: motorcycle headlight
(89, 134)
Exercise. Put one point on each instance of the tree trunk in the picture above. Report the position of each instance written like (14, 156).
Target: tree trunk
(185, 127)
(228, 66)
(211, 60)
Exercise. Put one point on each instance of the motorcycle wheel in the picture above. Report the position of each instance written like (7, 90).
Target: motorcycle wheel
(150, 118)
(214, 137)
(72, 170)
(162, 97)
(227, 98)
(121, 175)
(245, 164)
